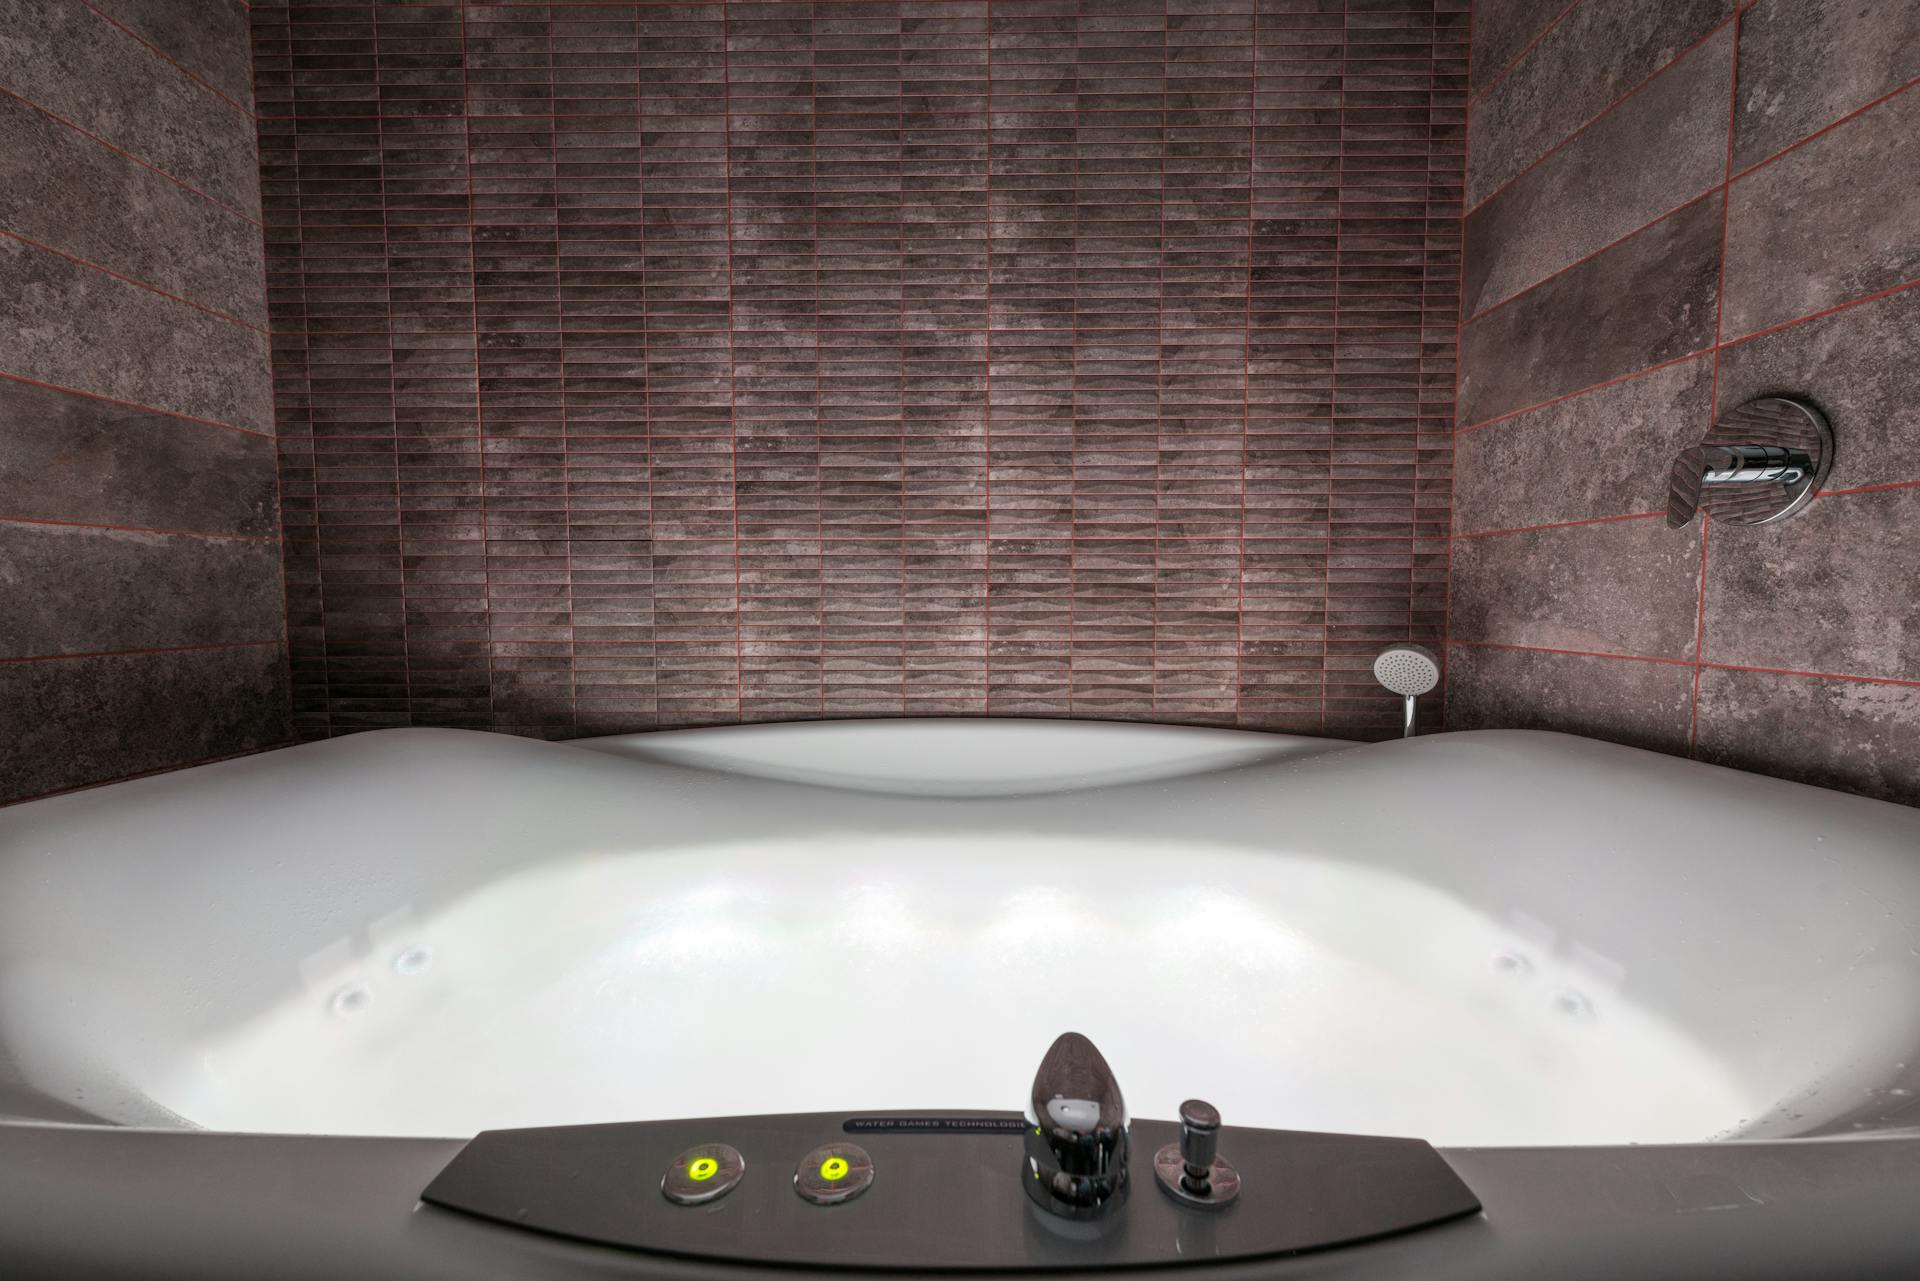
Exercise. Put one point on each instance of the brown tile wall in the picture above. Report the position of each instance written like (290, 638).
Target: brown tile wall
(662, 364)
(1674, 206)
(143, 624)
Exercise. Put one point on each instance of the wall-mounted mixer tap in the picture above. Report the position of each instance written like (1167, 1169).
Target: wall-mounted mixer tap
(1761, 462)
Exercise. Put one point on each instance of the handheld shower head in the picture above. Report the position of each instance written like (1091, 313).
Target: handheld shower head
(1409, 671)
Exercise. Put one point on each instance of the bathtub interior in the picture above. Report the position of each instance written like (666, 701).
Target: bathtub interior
(1470, 939)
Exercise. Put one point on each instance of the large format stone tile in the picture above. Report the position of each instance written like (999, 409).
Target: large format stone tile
(102, 718)
(1606, 453)
(1662, 147)
(1621, 587)
(207, 37)
(1638, 703)
(1503, 28)
(1804, 65)
(61, 188)
(79, 590)
(1862, 367)
(78, 327)
(70, 457)
(1857, 736)
(69, 60)
(1601, 51)
(1832, 221)
(1829, 590)
(1647, 300)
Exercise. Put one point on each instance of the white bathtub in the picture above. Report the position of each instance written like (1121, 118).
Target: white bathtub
(1479, 939)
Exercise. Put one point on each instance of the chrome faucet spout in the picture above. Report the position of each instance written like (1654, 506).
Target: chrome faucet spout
(1076, 1151)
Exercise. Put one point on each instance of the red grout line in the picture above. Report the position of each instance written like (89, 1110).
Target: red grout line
(1575, 653)
(167, 57)
(144, 164)
(1818, 676)
(1246, 374)
(142, 529)
(900, 247)
(399, 505)
(131, 280)
(129, 653)
(733, 370)
(1333, 369)
(134, 404)
(986, 592)
(279, 481)
(1556, 524)
(1867, 489)
(1453, 412)
(1604, 112)
(1686, 662)
(1848, 305)
(1713, 395)
(479, 408)
(1159, 372)
(1699, 637)
(1599, 386)
(1506, 70)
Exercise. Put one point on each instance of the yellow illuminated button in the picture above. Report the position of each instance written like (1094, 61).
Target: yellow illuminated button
(702, 1174)
(833, 1173)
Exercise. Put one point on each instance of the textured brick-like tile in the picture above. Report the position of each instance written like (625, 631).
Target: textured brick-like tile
(821, 372)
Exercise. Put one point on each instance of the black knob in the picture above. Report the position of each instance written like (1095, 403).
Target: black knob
(1199, 1141)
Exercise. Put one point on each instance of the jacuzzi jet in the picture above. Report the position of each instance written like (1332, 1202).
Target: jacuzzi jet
(1572, 1004)
(1512, 964)
(413, 960)
(1409, 671)
(350, 1000)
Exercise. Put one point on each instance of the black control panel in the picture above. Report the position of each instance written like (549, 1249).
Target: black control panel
(940, 1190)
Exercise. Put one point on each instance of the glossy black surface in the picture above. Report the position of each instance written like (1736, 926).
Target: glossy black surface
(1076, 1157)
(940, 1198)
